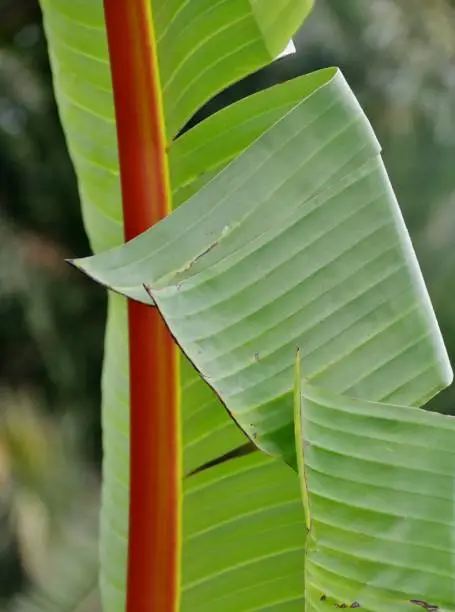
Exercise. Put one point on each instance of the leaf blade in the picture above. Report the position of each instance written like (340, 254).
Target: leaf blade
(79, 56)
(253, 500)
(226, 41)
(383, 539)
(306, 247)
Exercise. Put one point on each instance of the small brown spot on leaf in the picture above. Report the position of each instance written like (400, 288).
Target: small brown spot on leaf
(195, 259)
(424, 604)
(323, 597)
(341, 605)
(355, 604)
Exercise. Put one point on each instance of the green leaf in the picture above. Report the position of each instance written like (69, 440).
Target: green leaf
(205, 45)
(197, 59)
(244, 535)
(380, 480)
(202, 152)
(353, 299)
(299, 242)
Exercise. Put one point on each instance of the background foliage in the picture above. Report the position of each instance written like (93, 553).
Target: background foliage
(398, 57)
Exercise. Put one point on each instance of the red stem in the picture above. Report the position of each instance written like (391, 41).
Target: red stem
(155, 478)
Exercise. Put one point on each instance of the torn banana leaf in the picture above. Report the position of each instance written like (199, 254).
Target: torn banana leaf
(297, 242)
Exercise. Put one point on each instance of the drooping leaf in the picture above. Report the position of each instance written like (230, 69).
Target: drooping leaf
(380, 481)
(299, 242)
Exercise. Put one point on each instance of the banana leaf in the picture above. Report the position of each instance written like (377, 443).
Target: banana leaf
(378, 481)
(288, 235)
(203, 46)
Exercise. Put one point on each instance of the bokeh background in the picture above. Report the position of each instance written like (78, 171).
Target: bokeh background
(399, 57)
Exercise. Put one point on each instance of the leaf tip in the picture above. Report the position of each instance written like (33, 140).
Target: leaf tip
(78, 264)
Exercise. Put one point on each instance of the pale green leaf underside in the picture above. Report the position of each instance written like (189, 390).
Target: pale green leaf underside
(299, 242)
(380, 481)
(77, 44)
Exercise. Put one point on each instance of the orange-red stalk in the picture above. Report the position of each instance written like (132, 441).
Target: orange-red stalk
(154, 525)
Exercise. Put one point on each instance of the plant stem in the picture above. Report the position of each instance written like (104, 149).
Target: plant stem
(153, 581)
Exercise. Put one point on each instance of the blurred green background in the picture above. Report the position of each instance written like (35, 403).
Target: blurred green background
(399, 57)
